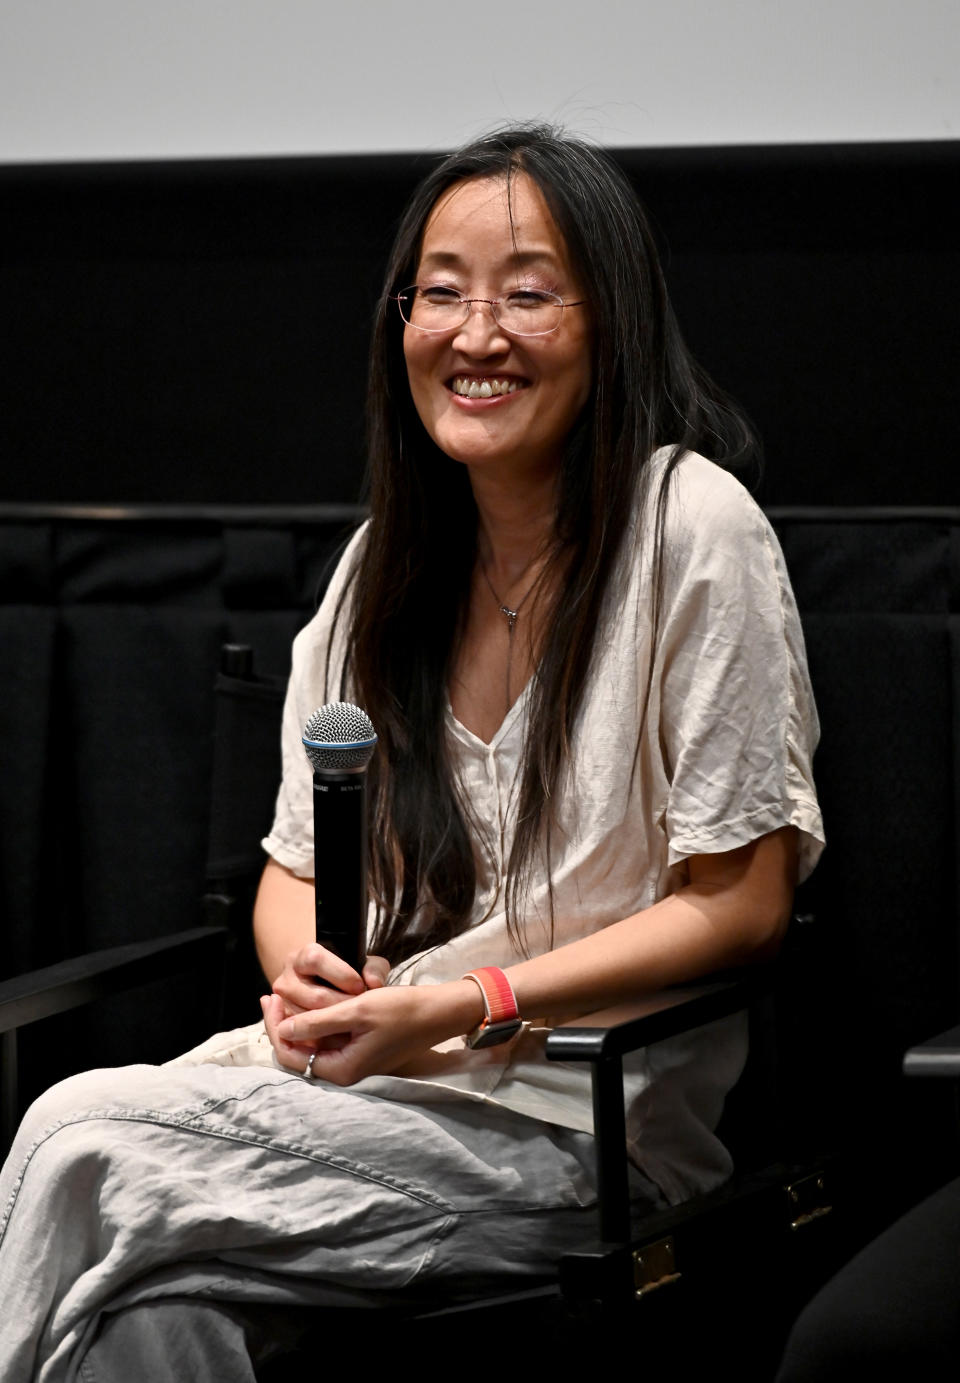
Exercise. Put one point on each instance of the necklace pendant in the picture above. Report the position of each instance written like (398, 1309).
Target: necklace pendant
(511, 616)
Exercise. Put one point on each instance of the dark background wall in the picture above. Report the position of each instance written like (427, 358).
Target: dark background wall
(197, 331)
(182, 375)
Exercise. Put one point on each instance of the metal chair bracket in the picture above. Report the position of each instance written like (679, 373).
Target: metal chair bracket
(808, 1200)
(654, 1266)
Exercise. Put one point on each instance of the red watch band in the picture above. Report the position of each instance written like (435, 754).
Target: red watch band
(502, 1017)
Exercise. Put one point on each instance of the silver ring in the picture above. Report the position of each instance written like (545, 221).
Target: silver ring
(308, 1069)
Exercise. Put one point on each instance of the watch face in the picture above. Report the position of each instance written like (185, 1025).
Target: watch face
(492, 1034)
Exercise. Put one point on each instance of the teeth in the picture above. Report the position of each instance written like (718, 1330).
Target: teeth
(473, 388)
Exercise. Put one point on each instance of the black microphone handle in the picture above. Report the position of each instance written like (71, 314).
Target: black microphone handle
(340, 863)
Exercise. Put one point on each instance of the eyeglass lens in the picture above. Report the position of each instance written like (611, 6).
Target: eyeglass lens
(524, 313)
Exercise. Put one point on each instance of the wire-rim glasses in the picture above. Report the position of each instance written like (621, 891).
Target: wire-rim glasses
(522, 312)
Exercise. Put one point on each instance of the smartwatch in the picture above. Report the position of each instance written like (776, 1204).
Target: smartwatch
(501, 1016)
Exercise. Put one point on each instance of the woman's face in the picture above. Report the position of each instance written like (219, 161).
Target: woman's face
(473, 242)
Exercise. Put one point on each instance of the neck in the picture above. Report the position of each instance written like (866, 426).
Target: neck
(516, 525)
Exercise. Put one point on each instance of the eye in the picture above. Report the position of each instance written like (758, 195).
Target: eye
(438, 296)
(528, 299)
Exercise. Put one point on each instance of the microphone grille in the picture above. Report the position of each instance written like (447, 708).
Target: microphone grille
(339, 736)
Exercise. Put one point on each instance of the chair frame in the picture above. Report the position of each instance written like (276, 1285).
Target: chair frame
(613, 1270)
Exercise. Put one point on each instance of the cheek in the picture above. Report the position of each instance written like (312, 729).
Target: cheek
(420, 357)
(583, 383)
(409, 352)
(411, 358)
(580, 369)
(421, 382)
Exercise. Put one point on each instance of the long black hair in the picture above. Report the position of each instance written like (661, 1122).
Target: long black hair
(407, 597)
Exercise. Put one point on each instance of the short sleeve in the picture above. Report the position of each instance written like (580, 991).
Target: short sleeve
(737, 721)
(319, 653)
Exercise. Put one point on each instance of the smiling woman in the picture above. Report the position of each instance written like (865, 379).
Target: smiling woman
(577, 642)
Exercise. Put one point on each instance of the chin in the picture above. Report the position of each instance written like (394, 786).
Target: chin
(471, 451)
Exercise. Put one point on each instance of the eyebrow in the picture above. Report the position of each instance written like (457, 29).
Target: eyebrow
(449, 259)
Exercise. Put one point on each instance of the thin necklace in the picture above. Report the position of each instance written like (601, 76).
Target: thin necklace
(511, 618)
(511, 615)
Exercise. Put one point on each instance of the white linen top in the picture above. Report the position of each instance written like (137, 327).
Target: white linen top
(724, 757)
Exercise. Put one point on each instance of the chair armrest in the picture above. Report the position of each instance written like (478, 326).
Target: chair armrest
(71, 983)
(604, 1038)
(614, 1032)
(938, 1056)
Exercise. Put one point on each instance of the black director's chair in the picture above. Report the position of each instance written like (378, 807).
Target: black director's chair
(697, 1262)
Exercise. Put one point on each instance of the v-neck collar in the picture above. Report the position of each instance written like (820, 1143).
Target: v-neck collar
(510, 720)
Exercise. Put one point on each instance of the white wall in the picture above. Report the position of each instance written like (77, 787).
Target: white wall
(94, 79)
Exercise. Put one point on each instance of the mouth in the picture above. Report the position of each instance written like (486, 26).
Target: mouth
(485, 386)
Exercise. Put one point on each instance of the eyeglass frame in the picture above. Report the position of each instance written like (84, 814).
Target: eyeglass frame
(492, 303)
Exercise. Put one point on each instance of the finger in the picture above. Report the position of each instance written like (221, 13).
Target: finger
(327, 965)
(290, 1055)
(299, 994)
(274, 1013)
(288, 1008)
(316, 1025)
(334, 1064)
(332, 1056)
(375, 972)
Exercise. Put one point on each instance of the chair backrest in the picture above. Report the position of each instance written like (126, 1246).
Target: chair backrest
(877, 961)
(878, 592)
(246, 774)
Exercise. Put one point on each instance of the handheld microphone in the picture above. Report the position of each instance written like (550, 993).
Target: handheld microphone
(339, 741)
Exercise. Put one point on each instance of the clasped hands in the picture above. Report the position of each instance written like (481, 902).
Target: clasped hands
(361, 1026)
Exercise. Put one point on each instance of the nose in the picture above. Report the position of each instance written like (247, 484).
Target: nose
(481, 333)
